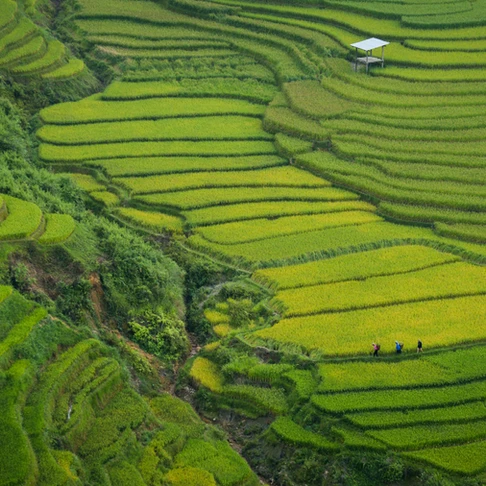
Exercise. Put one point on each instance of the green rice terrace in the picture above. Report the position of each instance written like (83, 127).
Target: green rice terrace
(229, 256)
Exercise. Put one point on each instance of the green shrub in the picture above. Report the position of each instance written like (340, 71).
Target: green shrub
(125, 474)
(190, 476)
(160, 334)
(135, 274)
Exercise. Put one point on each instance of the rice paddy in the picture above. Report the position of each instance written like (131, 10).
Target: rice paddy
(242, 128)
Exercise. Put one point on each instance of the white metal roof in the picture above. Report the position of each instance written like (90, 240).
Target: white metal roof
(369, 44)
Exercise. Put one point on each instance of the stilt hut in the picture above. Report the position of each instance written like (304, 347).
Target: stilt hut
(368, 46)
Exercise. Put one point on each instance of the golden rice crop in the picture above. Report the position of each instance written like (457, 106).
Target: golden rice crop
(259, 229)
(151, 220)
(270, 209)
(207, 374)
(447, 280)
(200, 198)
(438, 323)
(355, 266)
(278, 176)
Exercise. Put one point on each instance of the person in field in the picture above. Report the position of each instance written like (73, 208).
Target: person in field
(398, 347)
(419, 346)
(376, 348)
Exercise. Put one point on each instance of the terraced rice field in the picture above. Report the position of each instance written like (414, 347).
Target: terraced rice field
(81, 393)
(21, 220)
(25, 50)
(258, 144)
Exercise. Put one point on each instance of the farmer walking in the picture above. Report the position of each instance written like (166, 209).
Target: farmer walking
(376, 348)
(398, 347)
(419, 346)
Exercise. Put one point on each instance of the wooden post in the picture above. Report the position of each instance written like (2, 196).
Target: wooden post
(382, 56)
(367, 61)
(356, 61)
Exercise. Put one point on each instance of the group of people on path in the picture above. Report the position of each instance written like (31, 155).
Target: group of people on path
(398, 347)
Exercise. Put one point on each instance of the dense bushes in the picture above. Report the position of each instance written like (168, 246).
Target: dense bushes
(135, 274)
(160, 335)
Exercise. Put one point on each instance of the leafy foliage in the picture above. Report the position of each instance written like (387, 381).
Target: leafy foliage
(160, 334)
